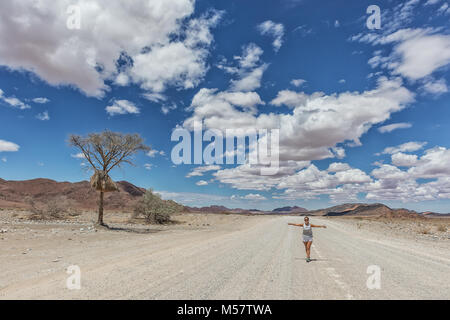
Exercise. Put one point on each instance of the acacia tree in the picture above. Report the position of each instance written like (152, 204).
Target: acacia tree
(105, 151)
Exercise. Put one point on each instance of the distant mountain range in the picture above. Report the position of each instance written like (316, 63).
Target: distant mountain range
(294, 209)
(13, 194)
(348, 209)
(222, 209)
(363, 209)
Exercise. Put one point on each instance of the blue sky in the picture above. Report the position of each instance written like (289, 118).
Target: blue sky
(362, 112)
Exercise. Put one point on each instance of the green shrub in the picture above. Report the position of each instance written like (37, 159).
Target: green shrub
(154, 209)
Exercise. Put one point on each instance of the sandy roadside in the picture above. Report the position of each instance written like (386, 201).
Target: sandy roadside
(34, 250)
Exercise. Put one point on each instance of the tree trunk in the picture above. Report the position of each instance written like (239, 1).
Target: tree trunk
(100, 210)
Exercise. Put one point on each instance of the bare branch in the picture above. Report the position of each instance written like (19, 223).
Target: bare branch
(108, 149)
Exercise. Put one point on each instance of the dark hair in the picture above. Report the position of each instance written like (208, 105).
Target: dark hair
(306, 217)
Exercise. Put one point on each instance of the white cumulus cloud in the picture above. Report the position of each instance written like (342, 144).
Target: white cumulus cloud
(298, 82)
(201, 183)
(275, 30)
(6, 146)
(394, 126)
(122, 107)
(41, 100)
(13, 101)
(87, 57)
(405, 147)
(43, 116)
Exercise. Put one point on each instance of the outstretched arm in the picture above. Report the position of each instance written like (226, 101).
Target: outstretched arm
(297, 225)
(317, 226)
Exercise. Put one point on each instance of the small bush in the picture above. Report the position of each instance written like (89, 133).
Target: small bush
(154, 209)
(442, 228)
(55, 208)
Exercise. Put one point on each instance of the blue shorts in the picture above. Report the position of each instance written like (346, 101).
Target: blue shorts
(307, 238)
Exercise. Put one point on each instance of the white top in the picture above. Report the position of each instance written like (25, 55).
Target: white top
(307, 230)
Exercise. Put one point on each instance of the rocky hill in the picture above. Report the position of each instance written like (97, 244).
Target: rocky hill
(363, 209)
(294, 209)
(13, 194)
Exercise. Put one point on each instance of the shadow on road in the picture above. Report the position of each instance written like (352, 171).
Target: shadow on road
(312, 259)
(129, 229)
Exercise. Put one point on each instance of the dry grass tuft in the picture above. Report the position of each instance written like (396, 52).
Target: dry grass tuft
(56, 208)
(425, 230)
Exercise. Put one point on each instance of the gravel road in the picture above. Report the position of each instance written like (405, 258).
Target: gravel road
(259, 258)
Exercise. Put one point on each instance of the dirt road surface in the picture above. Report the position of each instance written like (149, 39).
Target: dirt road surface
(251, 258)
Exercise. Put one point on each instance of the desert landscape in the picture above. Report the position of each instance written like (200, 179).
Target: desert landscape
(224, 150)
(218, 254)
